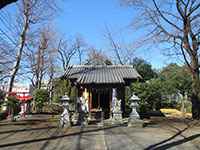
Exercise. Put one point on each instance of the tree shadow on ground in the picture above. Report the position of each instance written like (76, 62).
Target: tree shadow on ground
(23, 122)
(48, 141)
(174, 143)
(27, 129)
(79, 139)
(58, 137)
(166, 140)
(164, 145)
(7, 136)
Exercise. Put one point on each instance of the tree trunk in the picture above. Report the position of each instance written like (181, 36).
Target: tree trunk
(195, 107)
(19, 54)
(15, 69)
(195, 97)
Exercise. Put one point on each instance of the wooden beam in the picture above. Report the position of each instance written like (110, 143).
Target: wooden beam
(90, 100)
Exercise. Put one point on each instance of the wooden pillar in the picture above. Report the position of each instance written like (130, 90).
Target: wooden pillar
(123, 101)
(90, 99)
(98, 99)
(110, 101)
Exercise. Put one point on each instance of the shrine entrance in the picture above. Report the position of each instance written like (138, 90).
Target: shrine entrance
(101, 100)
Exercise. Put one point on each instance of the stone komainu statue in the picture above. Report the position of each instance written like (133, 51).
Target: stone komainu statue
(117, 106)
(82, 110)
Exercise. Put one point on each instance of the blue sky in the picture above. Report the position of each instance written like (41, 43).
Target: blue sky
(89, 18)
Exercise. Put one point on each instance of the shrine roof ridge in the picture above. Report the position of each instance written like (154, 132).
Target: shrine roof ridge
(101, 74)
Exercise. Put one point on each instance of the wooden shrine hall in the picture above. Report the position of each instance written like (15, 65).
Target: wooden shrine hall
(96, 84)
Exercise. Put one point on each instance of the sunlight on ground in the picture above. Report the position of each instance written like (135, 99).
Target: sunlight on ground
(174, 113)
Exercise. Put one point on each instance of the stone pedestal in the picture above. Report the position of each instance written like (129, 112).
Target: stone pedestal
(83, 119)
(65, 116)
(65, 119)
(75, 118)
(117, 113)
(134, 118)
(135, 123)
(117, 117)
(101, 123)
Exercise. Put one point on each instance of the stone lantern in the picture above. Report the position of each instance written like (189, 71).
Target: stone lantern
(134, 118)
(65, 116)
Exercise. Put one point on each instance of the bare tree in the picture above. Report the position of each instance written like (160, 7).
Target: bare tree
(80, 44)
(31, 12)
(30, 15)
(124, 52)
(68, 49)
(6, 59)
(4, 3)
(65, 52)
(22, 40)
(41, 62)
(96, 57)
(38, 60)
(51, 74)
(177, 23)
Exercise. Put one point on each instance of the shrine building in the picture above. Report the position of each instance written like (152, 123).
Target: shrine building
(97, 84)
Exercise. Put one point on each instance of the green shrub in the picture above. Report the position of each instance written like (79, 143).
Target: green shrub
(169, 103)
(53, 108)
(150, 94)
(2, 97)
(62, 87)
(13, 103)
(40, 96)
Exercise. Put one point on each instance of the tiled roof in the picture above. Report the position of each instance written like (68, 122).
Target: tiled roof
(87, 74)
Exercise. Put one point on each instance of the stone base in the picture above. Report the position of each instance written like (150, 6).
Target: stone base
(118, 122)
(135, 123)
(117, 118)
(63, 124)
(74, 118)
(67, 125)
(100, 124)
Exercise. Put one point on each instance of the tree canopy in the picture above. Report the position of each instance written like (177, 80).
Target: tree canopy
(144, 68)
(177, 78)
(164, 90)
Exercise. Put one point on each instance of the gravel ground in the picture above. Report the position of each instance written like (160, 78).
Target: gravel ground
(40, 132)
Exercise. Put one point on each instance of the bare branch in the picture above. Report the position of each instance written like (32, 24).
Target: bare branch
(115, 46)
(164, 18)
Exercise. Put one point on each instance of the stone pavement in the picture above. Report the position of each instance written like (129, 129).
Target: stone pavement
(41, 133)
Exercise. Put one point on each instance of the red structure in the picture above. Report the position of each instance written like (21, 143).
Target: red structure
(23, 96)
